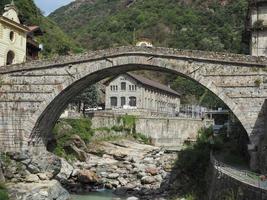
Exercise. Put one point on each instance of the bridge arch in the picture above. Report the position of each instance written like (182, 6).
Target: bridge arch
(36, 93)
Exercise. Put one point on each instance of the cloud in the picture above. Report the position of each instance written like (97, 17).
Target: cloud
(50, 5)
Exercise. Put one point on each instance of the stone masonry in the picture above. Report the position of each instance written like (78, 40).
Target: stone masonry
(33, 95)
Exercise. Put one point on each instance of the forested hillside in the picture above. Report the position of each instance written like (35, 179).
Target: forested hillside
(214, 25)
(55, 40)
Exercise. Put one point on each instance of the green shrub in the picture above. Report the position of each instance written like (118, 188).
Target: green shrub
(65, 129)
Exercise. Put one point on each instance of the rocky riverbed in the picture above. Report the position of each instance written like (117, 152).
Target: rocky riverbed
(127, 167)
(132, 170)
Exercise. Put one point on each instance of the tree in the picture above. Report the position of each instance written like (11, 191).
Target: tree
(88, 98)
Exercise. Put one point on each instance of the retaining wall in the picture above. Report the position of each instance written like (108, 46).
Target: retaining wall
(164, 131)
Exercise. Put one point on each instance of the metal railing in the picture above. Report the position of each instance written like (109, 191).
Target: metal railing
(244, 176)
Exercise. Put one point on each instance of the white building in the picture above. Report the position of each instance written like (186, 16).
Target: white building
(131, 91)
(13, 37)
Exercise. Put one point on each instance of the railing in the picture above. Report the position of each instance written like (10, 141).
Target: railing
(244, 176)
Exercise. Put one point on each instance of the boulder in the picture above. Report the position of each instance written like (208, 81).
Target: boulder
(32, 178)
(122, 181)
(148, 180)
(152, 171)
(65, 171)
(71, 148)
(87, 176)
(45, 190)
(113, 175)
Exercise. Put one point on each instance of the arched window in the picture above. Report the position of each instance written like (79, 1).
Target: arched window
(12, 36)
(123, 101)
(132, 101)
(113, 101)
(10, 58)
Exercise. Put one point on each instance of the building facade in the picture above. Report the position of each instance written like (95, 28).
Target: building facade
(13, 37)
(131, 91)
(257, 27)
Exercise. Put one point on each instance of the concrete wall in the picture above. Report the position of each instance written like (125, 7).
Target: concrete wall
(168, 132)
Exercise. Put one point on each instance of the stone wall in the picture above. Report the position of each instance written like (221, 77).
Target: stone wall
(164, 131)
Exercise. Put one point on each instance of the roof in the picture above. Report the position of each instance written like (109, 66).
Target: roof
(35, 30)
(14, 24)
(150, 83)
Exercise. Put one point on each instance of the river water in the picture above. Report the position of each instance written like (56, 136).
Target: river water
(101, 195)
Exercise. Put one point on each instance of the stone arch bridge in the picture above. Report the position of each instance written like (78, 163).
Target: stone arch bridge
(33, 95)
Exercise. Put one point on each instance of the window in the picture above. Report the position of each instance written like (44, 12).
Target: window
(132, 101)
(130, 88)
(113, 101)
(12, 36)
(123, 101)
(134, 87)
(116, 88)
(111, 87)
(10, 58)
(123, 86)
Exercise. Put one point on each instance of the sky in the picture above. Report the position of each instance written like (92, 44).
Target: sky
(47, 6)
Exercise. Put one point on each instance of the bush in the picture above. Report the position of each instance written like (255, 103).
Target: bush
(65, 129)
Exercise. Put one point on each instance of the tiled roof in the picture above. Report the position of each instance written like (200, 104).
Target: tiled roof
(153, 84)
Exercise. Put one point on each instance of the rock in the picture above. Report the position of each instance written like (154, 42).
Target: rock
(71, 148)
(148, 180)
(42, 176)
(65, 171)
(114, 183)
(132, 198)
(32, 178)
(113, 175)
(122, 181)
(152, 171)
(45, 190)
(158, 178)
(33, 169)
(87, 176)
(120, 156)
(75, 172)
(19, 156)
(141, 175)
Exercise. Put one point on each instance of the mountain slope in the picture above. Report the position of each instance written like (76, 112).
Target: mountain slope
(55, 40)
(214, 25)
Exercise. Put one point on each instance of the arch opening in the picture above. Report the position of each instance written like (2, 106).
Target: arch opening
(50, 115)
(10, 58)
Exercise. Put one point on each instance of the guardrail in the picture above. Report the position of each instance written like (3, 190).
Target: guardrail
(244, 176)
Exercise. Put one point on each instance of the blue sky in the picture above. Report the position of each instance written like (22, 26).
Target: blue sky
(50, 5)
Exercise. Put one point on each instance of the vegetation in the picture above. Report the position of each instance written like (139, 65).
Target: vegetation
(203, 25)
(55, 41)
(193, 161)
(3, 192)
(65, 129)
(88, 98)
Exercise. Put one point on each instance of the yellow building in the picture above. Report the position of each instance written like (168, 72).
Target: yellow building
(13, 37)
